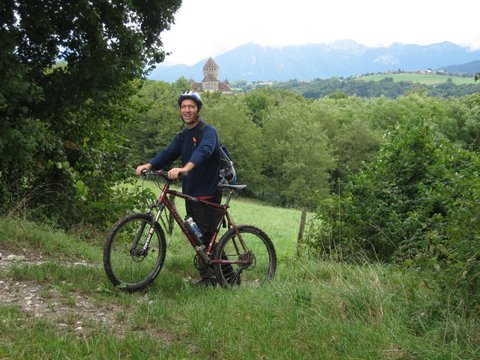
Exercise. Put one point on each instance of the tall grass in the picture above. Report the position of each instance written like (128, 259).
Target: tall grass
(312, 310)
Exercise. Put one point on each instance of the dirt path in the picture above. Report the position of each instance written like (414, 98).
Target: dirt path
(73, 311)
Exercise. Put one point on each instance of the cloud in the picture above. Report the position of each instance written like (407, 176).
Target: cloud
(211, 27)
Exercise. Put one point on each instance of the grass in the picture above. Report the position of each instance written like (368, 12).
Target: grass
(281, 225)
(312, 310)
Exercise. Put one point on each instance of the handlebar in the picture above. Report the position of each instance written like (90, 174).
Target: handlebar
(161, 173)
(222, 185)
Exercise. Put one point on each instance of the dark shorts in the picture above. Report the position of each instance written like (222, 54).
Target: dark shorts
(205, 217)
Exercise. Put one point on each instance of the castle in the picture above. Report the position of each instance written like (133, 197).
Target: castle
(210, 79)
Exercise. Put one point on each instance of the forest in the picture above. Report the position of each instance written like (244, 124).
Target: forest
(392, 179)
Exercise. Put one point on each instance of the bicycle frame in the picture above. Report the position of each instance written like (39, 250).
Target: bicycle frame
(135, 249)
(165, 201)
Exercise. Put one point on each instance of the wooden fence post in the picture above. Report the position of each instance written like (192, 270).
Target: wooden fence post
(303, 219)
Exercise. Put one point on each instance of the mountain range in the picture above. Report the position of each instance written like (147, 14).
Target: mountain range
(343, 58)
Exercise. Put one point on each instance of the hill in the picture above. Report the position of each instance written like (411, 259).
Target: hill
(390, 85)
(468, 68)
(420, 78)
(252, 62)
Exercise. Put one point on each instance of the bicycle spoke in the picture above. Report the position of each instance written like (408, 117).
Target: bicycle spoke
(250, 257)
(128, 261)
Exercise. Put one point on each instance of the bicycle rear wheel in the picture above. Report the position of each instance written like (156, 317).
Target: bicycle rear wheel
(249, 257)
(129, 264)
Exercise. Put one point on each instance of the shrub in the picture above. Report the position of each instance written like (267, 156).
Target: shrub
(417, 206)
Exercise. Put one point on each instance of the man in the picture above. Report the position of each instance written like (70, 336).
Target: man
(198, 147)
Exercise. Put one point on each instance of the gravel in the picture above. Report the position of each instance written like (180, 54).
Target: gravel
(68, 310)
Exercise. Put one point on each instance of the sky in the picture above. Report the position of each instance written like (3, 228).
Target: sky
(208, 28)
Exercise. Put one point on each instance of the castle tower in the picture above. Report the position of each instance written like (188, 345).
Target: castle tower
(211, 69)
(210, 75)
(210, 80)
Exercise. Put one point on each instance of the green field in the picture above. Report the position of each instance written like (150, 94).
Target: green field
(427, 79)
(60, 305)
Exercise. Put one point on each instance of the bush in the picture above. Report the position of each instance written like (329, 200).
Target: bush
(416, 206)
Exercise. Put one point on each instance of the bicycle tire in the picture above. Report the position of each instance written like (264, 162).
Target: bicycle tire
(127, 266)
(260, 250)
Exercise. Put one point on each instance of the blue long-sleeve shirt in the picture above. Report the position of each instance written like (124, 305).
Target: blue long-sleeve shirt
(200, 147)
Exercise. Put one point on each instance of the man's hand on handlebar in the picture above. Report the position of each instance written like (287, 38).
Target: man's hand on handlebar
(174, 173)
(141, 168)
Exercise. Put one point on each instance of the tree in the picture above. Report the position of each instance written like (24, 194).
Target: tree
(240, 135)
(298, 155)
(67, 68)
(417, 205)
(356, 145)
(258, 103)
(158, 121)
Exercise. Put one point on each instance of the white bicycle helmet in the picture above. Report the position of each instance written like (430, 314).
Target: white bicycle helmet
(192, 95)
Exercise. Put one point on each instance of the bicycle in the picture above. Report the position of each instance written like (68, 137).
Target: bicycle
(135, 249)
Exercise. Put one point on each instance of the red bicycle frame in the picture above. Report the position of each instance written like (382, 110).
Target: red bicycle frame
(165, 200)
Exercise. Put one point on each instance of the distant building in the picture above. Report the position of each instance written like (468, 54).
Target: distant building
(210, 79)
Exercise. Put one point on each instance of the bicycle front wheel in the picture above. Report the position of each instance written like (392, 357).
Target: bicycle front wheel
(247, 257)
(129, 261)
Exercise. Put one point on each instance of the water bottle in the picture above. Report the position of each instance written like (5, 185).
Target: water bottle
(195, 229)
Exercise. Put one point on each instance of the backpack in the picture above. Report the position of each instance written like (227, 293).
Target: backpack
(227, 170)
